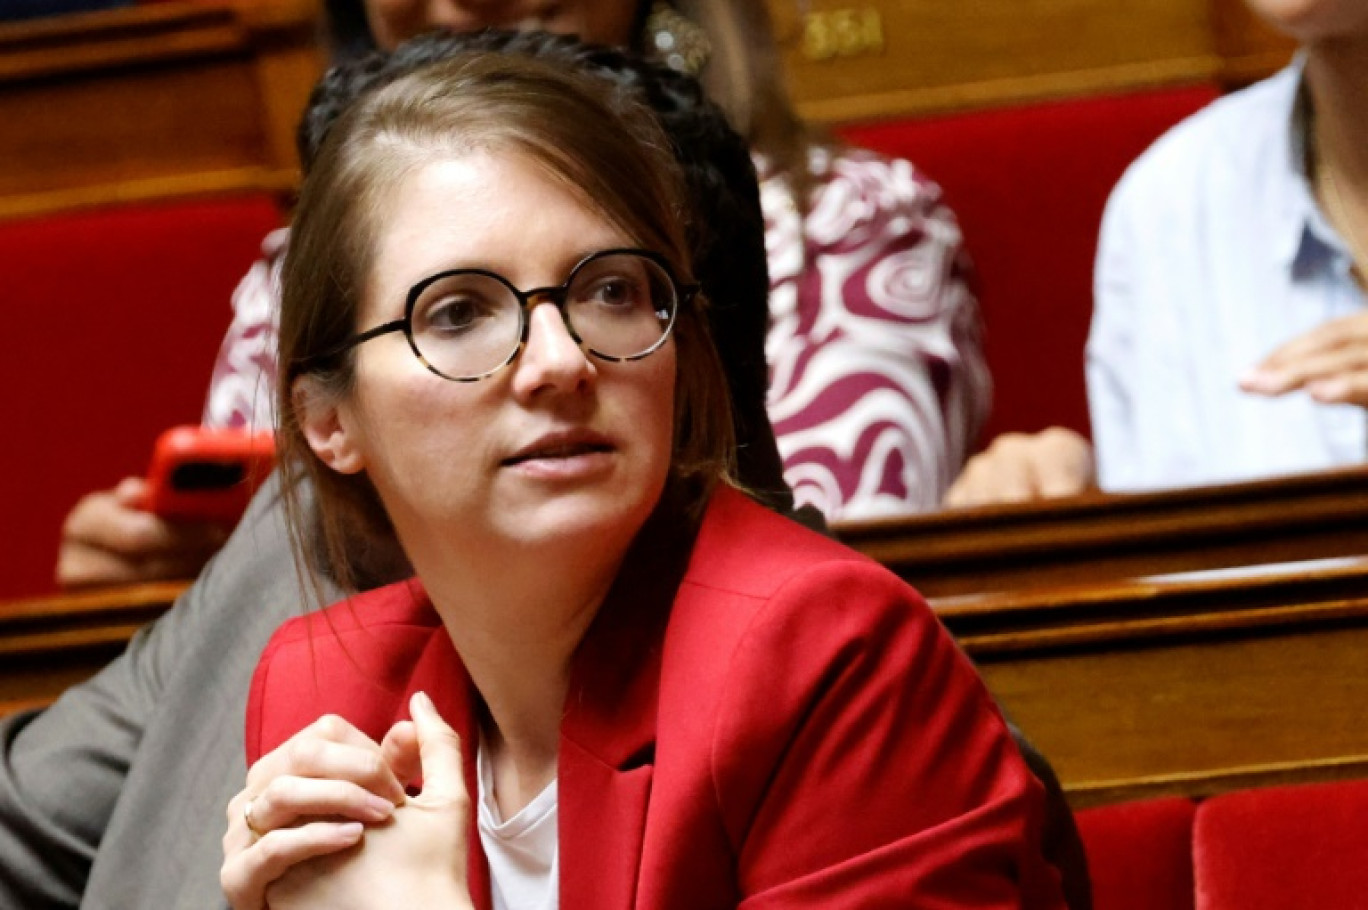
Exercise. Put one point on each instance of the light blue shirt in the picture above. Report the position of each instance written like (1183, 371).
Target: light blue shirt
(1213, 253)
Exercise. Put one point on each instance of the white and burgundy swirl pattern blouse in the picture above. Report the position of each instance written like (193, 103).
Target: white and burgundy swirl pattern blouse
(878, 384)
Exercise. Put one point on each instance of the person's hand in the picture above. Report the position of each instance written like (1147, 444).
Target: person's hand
(310, 797)
(1019, 467)
(107, 540)
(418, 857)
(1330, 362)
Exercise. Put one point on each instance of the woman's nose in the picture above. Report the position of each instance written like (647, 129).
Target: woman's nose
(551, 358)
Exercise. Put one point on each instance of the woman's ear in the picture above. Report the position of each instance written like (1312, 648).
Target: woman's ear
(326, 427)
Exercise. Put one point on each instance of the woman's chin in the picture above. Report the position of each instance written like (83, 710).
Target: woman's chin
(595, 517)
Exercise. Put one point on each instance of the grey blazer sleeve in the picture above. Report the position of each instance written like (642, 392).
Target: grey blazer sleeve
(114, 796)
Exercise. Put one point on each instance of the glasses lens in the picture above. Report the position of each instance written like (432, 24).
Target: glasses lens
(465, 324)
(621, 305)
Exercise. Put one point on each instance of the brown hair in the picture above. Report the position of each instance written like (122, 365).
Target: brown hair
(585, 132)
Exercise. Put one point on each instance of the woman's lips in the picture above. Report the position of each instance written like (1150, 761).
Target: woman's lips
(563, 455)
(559, 452)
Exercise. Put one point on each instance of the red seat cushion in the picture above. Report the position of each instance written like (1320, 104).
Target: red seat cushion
(1029, 185)
(1283, 847)
(1139, 854)
(112, 323)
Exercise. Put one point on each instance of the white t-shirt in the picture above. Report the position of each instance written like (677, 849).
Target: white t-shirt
(523, 852)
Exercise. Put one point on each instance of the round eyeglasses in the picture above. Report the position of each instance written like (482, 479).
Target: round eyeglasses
(467, 324)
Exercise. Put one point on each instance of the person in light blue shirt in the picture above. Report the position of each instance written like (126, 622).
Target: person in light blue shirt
(1230, 326)
(1214, 253)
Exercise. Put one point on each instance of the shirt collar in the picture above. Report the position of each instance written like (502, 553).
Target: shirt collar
(1308, 245)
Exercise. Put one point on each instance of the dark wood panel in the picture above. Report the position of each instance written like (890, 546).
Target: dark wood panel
(138, 124)
(170, 99)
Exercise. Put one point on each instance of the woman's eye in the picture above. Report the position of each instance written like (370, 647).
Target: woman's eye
(615, 292)
(456, 314)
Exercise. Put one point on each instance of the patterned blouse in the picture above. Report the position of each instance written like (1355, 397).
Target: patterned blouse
(878, 385)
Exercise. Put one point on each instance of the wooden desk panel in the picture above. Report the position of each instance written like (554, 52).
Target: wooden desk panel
(1185, 686)
(1194, 719)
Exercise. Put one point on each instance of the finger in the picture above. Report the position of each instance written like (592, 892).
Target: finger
(81, 566)
(288, 800)
(131, 492)
(963, 493)
(440, 750)
(238, 836)
(1311, 368)
(100, 521)
(1350, 388)
(399, 748)
(996, 476)
(1065, 464)
(329, 748)
(1062, 479)
(1009, 474)
(1325, 337)
(247, 873)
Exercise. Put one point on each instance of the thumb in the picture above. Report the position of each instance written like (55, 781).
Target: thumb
(399, 749)
(440, 751)
(131, 492)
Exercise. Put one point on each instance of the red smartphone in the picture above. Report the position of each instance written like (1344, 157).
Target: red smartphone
(205, 474)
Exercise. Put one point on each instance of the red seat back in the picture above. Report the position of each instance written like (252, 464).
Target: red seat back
(113, 319)
(1140, 854)
(1283, 847)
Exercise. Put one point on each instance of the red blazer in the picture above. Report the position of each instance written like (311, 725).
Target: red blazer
(785, 726)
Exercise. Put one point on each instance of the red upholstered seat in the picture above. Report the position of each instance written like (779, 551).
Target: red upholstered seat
(1029, 185)
(1283, 847)
(112, 321)
(1139, 854)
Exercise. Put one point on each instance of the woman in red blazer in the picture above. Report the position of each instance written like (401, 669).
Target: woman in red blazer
(496, 357)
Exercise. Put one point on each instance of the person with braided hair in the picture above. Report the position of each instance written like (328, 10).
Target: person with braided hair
(868, 363)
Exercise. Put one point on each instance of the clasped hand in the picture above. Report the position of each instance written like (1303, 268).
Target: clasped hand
(324, 821)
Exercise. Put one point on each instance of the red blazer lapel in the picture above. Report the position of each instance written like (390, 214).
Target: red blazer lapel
(608, 736)
(606, 765)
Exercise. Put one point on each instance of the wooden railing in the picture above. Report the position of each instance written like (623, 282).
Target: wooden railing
(1096, 538)
(50, 643)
